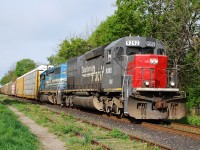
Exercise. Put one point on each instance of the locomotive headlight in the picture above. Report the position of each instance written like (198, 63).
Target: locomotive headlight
(153, 61)
(146, 83)
(172, 83)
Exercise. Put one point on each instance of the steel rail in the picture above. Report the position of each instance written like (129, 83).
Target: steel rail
(171, 130)
(185, 127)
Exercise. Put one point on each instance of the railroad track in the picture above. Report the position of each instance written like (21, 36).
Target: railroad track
(58, 110)
(185, 127)
(174, 130)
(93, 141)
(132, 137)
(177, 128)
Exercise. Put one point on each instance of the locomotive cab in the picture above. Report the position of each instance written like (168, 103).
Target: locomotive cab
(153, 93)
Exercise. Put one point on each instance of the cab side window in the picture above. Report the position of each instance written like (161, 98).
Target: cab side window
(109, 56)
(119, 52)
(161, 52)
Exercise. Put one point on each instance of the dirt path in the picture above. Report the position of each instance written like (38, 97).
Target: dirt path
(49, 141)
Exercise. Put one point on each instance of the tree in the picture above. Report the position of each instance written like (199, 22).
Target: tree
(173, 22)
(10, 76)
(52, 59)
(69, 49)
(23, 66)
(105, 33)
(176, 23)
(190, 74)
(128, 19)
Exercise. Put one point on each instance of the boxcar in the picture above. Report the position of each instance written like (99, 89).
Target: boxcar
(28, 84)
(1, 90)
(6, 89)
(20, 86)
(13, 88)
(10, 88)
(31, 82)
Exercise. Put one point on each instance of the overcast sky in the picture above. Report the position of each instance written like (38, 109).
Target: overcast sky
(34, 28)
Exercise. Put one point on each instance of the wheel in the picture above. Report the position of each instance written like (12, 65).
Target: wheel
(121, 113)
(67, 103)
(109, 111)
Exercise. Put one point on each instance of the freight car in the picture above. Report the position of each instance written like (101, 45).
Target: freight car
(129, 76)
(13, 88)
(29, 82)
(26, 86)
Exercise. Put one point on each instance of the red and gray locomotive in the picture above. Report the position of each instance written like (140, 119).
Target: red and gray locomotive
(129, 76)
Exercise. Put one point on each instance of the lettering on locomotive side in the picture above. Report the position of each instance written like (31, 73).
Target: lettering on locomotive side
(108, 70)
(150, 44)
(110, 81)
(90, 71)
(132, 43)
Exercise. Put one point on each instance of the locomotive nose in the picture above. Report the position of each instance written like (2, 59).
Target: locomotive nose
(148, 71)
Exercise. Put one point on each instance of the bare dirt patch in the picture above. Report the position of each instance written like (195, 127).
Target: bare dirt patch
(49, 141)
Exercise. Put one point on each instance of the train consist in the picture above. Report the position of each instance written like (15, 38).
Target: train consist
(129, 76)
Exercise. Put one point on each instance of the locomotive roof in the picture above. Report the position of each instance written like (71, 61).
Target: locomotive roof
(136, 41)
(54, 67)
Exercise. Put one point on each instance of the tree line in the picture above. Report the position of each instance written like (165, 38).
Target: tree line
(23, 66)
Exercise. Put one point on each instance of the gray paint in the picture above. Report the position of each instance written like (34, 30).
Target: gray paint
(93, 71)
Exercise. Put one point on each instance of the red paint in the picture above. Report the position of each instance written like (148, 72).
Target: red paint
(157, 77)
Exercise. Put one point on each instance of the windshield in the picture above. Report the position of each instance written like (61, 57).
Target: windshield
(134, 50)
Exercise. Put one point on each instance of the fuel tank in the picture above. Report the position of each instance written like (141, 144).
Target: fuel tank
(91, 102)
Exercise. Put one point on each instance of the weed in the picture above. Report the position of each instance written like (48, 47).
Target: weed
(87, 138)
(156, 148)
(190, 119)
(194, 120)
(99, 148)
(68, 129)
(118, 134)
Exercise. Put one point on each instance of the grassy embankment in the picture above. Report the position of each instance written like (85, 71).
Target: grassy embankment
(190, 119)
(66, 126)
(14, 135)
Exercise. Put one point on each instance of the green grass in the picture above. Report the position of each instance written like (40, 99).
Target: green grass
(14, 135)
(65, 127)
(118, 134)
(190, 119)
(194, 120)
